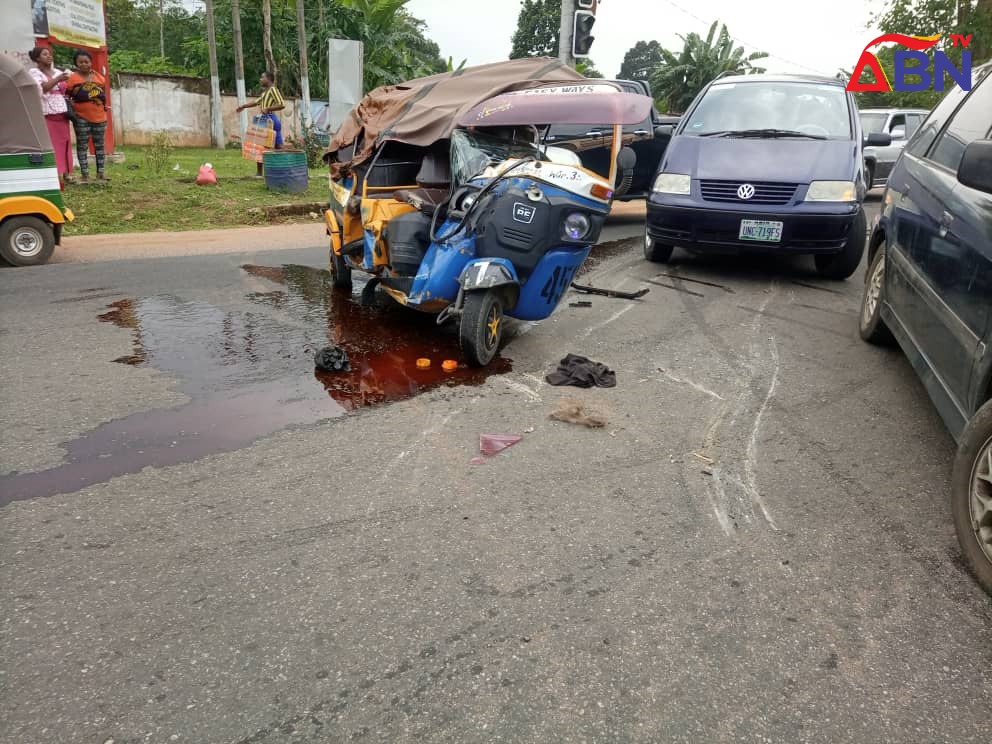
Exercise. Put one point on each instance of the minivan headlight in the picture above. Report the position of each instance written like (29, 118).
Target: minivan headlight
(672, 183)
(832, 191)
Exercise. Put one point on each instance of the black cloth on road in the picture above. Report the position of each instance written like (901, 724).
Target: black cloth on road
(582, 372)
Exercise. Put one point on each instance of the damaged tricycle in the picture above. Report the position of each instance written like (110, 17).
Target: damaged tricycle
(443, 191)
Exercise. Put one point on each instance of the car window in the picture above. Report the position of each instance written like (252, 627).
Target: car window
(970, 122)
(913, 122)
(928, 132)
(814, 108)
(871, 123)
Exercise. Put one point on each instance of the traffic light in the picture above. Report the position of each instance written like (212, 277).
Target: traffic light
(582, 37)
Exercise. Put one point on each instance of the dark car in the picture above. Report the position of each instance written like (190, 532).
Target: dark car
(647, 139)
(929, 286)
(765, 163)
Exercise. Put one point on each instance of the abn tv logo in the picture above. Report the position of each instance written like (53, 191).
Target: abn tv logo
(913, 62)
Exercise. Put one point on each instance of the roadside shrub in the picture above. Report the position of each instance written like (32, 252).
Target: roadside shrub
(159, 153)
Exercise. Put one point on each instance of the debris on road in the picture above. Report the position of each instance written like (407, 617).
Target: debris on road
(332, 359)
(582, 372)
(610, 292)
(493, 444)
(574, 411)
(704, 458)
(580, 303)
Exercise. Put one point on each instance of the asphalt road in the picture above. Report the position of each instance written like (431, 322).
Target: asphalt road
(209, 543)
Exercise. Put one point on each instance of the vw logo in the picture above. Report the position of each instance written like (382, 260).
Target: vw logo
(745, 191)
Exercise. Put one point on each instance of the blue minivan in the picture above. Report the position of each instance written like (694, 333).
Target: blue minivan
(929, 287)
(765, 163)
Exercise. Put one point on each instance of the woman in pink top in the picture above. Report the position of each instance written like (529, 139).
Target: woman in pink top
(52, 84)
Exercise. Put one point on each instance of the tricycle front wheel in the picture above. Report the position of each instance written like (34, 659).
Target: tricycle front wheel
(26, 241)
(481, 327)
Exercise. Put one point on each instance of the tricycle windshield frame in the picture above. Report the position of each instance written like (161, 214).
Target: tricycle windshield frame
(472, 151)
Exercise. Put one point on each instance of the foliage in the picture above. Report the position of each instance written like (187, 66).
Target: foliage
(538, 29)
(131, 61)
(588, 68)
(159, 153)
(313, 144)
(396, 47)
(925, 18)
(677, 81)
(640, 61)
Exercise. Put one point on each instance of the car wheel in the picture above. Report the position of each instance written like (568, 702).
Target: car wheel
(870, 175)
(871, 326)
(842, 265)
(971, 495)
(26, 241)
(655, 251)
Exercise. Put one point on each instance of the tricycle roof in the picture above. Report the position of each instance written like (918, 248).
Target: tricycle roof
(24, 129)
(579, 103)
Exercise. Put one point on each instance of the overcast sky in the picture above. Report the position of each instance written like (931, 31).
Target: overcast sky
(829, 35)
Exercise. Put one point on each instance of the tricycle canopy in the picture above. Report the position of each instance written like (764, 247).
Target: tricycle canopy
(421, 112)
(585, 103)
(23, 129)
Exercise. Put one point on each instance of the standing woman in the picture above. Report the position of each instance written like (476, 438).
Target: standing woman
(269, 102)
(88, 91)
(53, 86)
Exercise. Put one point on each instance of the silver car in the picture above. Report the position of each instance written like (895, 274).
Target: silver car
(900, 124)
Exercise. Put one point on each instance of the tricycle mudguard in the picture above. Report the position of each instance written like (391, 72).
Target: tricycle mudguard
(549, 282)
(486, 273)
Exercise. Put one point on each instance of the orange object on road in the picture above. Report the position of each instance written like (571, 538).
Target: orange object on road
(449, 365)
(423, 363)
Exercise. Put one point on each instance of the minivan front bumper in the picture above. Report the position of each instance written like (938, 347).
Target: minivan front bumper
(715, 230)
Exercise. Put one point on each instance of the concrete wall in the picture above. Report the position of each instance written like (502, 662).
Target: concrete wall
(145, 104)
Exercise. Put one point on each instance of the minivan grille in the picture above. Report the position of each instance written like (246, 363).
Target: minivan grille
(764, 192)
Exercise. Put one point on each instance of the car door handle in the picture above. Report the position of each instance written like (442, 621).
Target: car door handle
(641, 132)
(594, 133)
(945, 222)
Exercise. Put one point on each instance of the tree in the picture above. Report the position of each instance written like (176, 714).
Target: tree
(538, 29)
(640, 61)
(270, 60)
(588, 68)
(679, 78)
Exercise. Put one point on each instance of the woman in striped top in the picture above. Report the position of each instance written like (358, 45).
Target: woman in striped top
(269, 102)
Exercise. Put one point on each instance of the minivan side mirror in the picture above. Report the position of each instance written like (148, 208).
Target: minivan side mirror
(975, 169)
(878, 139)
(898, 133)
(664, 130)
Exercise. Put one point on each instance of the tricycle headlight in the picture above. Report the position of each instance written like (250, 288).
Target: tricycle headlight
(672, 183)
(832, 191)
(576, 226)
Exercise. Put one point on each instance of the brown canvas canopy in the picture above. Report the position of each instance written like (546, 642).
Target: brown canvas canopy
(23, 127)
(423, 111)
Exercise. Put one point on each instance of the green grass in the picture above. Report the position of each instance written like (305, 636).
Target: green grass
(139, 199)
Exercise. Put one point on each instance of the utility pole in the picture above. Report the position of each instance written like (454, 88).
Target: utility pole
(301, 30)
(565, 33)
(216, 119)
(161, 27)
(239, 64)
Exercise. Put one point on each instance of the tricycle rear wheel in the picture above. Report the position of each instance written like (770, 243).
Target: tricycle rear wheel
(481, 327)
(340, 271)
(26, 241)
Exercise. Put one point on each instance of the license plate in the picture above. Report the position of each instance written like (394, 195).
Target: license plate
(765, 230)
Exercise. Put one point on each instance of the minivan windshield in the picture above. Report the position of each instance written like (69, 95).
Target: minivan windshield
(772, 109)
